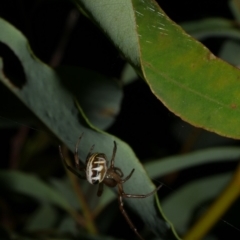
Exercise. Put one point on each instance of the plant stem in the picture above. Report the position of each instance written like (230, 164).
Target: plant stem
(83, 203)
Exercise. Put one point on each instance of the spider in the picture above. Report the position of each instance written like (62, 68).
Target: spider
(97, 171)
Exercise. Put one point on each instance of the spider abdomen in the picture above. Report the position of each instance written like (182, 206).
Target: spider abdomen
(96, 168)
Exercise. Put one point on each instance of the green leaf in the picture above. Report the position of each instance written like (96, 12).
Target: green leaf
(68, 225)
(14, 109)
(45, 217)
(235, 8)
(160, 167)
(176, 204)
(128, 74)
(64, 188)
(32, 186)
(230, 52)
(44, 94)
(193, 83)
(185, 200)
(99, 96)
(212, 27)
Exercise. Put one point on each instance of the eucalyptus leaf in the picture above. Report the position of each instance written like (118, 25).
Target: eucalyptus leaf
(56, 107)
(235, 8)
(230, 52)
(193, 83)
(100, 97)
(45, 217)
(68, 225)
(65, 189)
(128, 74)
(185, 200)
(13, 110)
(160, 167)
(180, 205)
(32, 186)
(212, 27)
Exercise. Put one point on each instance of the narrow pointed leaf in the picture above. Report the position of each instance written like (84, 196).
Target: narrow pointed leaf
(100, 96)
(185, 200)
(212, 27)
(30, 185)
(56, 107)
(161, 167)
(193, 83)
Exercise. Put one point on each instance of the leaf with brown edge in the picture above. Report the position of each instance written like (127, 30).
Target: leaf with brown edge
(183, 74)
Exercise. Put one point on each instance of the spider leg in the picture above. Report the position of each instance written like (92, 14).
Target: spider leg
(126, 178)
(126, 195)
(124, 213)
(75, 172)
(76, 153)
(113, 155)
(69, 167)
(122, 194)
(90, 152)
(118, 171)
(100, 190)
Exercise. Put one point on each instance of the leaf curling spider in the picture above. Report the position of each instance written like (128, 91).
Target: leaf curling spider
(97, 171)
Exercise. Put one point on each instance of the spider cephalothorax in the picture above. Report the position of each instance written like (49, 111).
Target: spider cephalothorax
(97, 171)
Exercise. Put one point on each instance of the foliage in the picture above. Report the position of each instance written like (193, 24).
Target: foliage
(81, 73)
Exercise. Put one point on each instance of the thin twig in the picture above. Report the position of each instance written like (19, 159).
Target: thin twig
(68, 28)
(82, 201)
